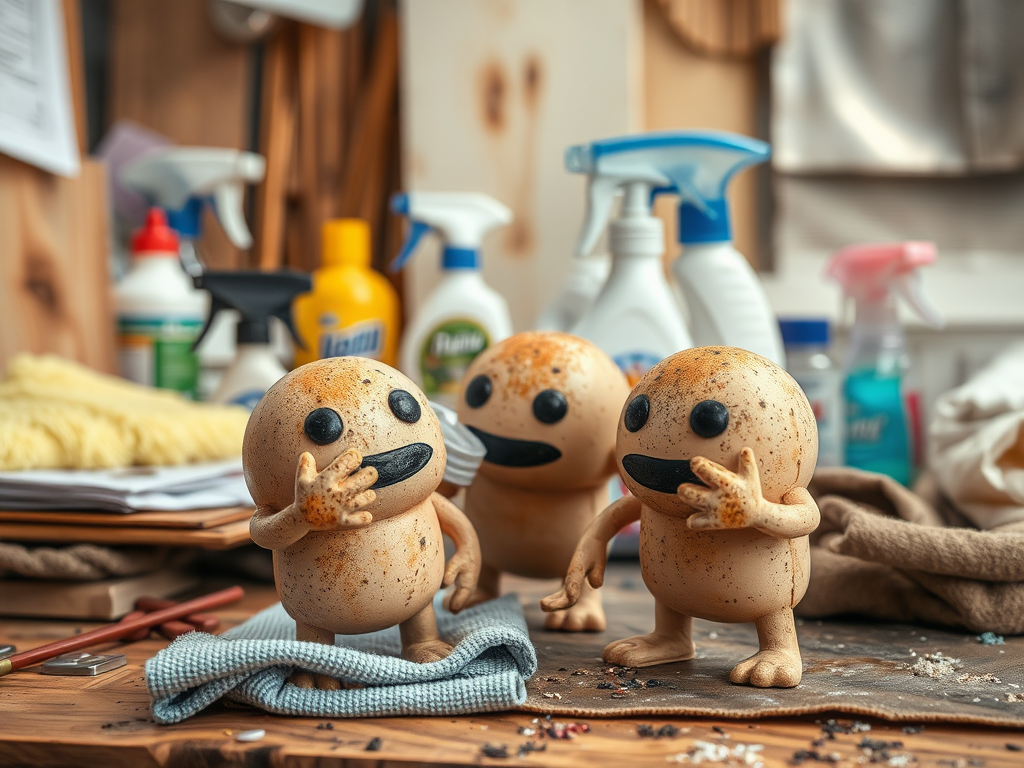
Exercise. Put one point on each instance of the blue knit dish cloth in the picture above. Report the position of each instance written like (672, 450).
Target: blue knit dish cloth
(251, 663)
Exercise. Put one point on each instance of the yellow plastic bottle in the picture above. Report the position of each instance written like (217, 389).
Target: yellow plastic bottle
(352, 310)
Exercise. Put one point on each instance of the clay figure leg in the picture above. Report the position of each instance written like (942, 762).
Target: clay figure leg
(488, 586)
(303, 679)
(670, 641)
(421, 642)
(777, 664)
(586, 615)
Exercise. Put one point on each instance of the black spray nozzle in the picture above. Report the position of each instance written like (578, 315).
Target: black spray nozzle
(257, 296)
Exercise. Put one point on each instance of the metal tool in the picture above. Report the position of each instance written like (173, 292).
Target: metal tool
(7, 650)
(82, 663)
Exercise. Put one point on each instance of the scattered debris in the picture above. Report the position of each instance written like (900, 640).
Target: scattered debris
(802, 756)
(831, 727)
(566, 730)
(650, 732)
(654, 683)
(608, 686)
(878, 751)
(325, 727)
(706, 752)
(552, 695)
(913, 728)
(373, 745)
(988, 677)
(1015, 698)
(1014, 747)
(554, 679)
(253, 735)
(578, 672)
(621, 695)
(935, 665)
(720, 731)
(493, 750)
(530, 746)
(527, 731)
(990, 638)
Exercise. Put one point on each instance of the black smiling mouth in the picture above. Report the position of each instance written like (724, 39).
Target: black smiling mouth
(662, 475)
(506, 452)
(398, 465)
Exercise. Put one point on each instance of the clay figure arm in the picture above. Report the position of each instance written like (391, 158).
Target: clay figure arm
(734, 500)
(463, 568)
(333, 498)
(591, 555)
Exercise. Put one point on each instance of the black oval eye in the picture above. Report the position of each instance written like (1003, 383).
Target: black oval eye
(709, 418)
(637, 411)
(550, 406)
(478, 391)
(323, 426)
(404, 406)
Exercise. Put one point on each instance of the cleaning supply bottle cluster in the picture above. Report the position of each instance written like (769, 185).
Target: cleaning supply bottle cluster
(883, 412)
(463, 315)
(352, 309)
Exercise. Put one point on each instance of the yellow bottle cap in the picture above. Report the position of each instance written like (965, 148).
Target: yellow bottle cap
(345, 241)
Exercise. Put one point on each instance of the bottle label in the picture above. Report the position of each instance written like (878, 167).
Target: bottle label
(635, 365)
(364, 339)
(877, 434)
(824, 393)
(158, 352)
(446, 354)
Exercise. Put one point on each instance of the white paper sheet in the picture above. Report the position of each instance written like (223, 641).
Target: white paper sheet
(36, 115)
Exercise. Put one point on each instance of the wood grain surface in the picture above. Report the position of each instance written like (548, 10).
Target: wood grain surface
(106, 721)
(191, 518)
(224, 536)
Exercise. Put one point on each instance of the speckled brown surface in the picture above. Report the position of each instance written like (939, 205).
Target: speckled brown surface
(860, 669)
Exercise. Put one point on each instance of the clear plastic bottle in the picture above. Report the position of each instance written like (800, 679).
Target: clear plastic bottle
(808, 361)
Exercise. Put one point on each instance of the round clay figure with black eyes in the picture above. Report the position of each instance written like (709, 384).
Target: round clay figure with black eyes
(717, 446)
(545, 406)
(342, 457)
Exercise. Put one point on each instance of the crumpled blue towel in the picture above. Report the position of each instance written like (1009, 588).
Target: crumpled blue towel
(251, 663)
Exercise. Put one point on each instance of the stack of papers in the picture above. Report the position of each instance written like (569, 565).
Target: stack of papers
(130, 489)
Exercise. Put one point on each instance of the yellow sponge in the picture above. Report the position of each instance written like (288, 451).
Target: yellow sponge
(57, 414)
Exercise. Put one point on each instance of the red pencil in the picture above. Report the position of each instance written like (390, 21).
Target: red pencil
(119, 630)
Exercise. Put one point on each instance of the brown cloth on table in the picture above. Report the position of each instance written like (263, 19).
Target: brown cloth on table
(886, 552)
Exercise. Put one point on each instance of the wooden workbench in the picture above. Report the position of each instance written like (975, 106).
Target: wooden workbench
(106, 722)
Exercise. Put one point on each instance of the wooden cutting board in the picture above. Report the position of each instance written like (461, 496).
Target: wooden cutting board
(192, 518)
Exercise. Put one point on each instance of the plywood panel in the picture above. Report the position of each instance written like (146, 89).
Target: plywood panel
(171, 72)
(492, 92)
(54, 277)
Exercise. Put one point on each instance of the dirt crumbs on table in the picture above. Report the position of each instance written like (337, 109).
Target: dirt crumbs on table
(373, 745)
(721, 754)
(934, 665)
(665, 732)
(494, 750)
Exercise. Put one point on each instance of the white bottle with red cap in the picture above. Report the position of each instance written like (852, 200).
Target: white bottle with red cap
(159, 312)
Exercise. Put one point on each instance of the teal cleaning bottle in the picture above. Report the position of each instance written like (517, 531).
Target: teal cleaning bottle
(883, 416)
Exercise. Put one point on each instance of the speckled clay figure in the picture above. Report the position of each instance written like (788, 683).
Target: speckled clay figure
(717, 446)
(545, 406)
(342, 457)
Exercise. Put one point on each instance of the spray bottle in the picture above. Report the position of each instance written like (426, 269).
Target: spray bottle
(883, 415)
(635, 318)
(578, 294)
(727, 303)
(464, 315)
(257, 296)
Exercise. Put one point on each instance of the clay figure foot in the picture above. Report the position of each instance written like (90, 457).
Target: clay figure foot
(777, 664)
(488, 587)
(670, 641)
(304, 679)
(421, 642)
(586, 616)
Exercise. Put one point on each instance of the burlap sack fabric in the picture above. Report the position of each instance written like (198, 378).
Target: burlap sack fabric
(885, 552)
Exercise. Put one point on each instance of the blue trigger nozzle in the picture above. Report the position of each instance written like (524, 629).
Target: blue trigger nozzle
(416, 232)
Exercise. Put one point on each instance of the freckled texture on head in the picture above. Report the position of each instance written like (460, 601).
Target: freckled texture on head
(768, 413)
(520, 368)
(357, 390)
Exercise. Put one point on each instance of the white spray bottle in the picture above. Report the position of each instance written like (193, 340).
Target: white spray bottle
(635, 318)
(463, 316)
(726, 300)
(883, 411)
(183, 180)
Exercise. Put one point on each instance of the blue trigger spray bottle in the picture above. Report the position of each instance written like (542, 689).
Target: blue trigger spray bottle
(883, 417)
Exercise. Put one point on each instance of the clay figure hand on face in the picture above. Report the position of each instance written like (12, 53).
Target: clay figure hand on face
(717, 446)
(545, 405)
(342, 457)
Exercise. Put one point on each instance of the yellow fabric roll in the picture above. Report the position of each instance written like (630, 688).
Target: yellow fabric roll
(55, 413)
